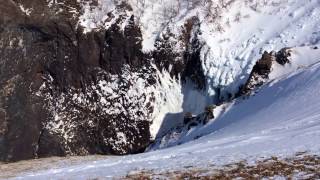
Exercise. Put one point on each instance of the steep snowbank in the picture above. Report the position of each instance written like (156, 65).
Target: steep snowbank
(280, 120)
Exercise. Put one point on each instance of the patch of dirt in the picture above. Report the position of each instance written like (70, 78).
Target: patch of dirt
(10, 170)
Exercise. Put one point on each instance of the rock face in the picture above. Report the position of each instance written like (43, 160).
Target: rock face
(259, 73)
(21, 111)
(64, 92)
(261, 70)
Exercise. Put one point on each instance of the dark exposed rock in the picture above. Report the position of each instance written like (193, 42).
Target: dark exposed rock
(63, 92)
(45, 62)
(193, 68)
(78, 83)
(50, 145)
(186, 63)
(282, 56)
(21, 110)
(259, 73)
(261, 70)
(263, 66)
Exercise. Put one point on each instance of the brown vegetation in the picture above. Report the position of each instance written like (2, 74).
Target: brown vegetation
(302, 166)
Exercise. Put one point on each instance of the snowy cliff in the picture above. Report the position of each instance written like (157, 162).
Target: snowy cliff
(233, 36)
(280, 121)
(111, 76)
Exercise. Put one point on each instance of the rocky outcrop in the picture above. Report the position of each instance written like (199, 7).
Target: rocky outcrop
(282, 56)
(65, 92)
(263, 67)
(186, 61)
(259, 73)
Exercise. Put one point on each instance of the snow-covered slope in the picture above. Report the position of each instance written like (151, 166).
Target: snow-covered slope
(280, 120)
(298, 58)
